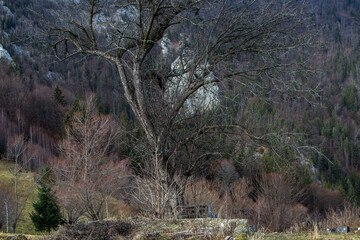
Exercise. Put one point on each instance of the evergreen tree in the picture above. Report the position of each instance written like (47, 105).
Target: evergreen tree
(47, 213)
(351, 194)
(59, 98)
(349, 98)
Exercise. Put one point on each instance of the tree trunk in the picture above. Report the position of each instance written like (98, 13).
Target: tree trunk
(7, 216)
(16, 195)
(170, 190)
(14, 225)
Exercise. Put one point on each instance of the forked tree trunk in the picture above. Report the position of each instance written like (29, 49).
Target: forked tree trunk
(169, 192)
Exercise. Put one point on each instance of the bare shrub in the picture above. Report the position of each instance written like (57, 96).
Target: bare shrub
(314, 234)
(277, 205)
(126, 210)
(202, 192)
(94, 198)
(156, 199)
(322, 200)
(349, 216)
(72, 208)
(105, 230)
(230, 202)
(94, 202)
(240, 204)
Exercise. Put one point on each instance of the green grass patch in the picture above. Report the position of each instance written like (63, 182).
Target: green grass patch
(25, 184)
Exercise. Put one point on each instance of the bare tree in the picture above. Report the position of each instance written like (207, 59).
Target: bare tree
(248, 42)
(85, 176)
(6, 199)
(154, 198)
(72, 207)
(17, 152)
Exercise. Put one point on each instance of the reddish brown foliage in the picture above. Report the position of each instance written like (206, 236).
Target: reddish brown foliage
(277, 206)
(322, 200)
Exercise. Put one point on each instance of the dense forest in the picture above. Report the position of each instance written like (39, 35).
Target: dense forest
(286, 149)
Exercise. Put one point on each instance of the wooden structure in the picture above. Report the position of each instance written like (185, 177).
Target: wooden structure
(197, 211)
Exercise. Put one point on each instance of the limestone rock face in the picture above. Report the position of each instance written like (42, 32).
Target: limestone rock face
(4, 54)
(204, 99)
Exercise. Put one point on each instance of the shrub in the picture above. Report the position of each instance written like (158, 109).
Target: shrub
(277, 206)
(349, 216)
(94, 230)
(227, 201)
(322, 199)
(202, 192)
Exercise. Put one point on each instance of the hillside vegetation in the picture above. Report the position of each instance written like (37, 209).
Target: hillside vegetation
(140, 108)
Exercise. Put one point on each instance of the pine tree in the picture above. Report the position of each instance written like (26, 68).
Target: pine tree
(47, 213)
(59, 98)
(351, 194)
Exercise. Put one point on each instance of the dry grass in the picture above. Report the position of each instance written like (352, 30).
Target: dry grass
(349, 216)
(315, 233)
(259, 235)
(3, 236)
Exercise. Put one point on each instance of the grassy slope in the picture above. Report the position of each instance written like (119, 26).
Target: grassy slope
(26, 182)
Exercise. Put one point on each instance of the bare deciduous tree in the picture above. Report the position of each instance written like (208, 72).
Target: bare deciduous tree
(17, 152)
(246, 42)
(6, 200)
(85, 176)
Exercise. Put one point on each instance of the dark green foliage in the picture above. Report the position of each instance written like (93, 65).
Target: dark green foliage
(261, 108)
(59, 98)
(47, 213)
(349, 98)
(6, 23)
(319, 124)
(76, 107)
(353, 189)
(352, 195)
(303, 176)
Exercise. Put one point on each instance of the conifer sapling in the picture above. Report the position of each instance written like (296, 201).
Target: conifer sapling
(47, 213)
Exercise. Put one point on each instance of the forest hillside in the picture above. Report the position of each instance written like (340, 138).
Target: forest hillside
(140, 108)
